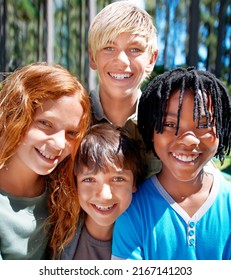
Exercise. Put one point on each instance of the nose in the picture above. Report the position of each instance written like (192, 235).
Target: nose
(105, 191)
(188, 139)
(122, 57)
(59, 140)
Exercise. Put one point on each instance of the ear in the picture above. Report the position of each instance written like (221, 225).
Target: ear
(93, 64)
(134, 189)
(152, 62)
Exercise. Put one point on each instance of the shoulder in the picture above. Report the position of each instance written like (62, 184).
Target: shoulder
(225, 184)
(144, 196)
(147, 186)
(69, 250)
(144, 187)
(97, 109)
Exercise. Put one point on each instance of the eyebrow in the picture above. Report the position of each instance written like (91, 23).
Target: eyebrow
(92, 172)
(202, 114)
(137, 40)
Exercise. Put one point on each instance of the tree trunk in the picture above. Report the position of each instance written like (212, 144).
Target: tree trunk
(3, 19)
(220, 37)
(92, 73)
(194, 20)
(166, 36)
(50, 31)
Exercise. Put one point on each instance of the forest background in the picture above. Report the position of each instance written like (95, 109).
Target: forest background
(190, 33)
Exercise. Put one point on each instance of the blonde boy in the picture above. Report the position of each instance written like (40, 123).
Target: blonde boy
(123, 49)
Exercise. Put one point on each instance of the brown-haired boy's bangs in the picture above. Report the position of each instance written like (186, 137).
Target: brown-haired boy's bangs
(98, 156)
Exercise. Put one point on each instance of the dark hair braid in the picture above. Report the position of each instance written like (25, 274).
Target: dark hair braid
(154, 100)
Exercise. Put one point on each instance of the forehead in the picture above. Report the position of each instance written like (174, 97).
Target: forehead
(66, 109)
(199, 98)
(128, 38)
(62, 103)
(106, 169)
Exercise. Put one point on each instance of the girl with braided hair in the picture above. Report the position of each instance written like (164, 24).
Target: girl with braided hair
(184, 211)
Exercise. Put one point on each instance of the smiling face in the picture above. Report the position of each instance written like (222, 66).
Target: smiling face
(123, 64)
(51, 135)
(104, 196)
(184, 155)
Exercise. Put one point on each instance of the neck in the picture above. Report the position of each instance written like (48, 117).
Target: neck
(119, 109)
(97, 231)
(189, 195)
(21, 184)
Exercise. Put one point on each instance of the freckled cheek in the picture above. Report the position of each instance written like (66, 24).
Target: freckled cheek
(35, 135)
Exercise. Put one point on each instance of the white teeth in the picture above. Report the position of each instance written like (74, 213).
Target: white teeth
(120, 76)
(46, 155)
(103, 208)
(185, 158)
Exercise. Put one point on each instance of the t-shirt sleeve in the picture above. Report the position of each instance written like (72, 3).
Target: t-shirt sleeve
(126, 236)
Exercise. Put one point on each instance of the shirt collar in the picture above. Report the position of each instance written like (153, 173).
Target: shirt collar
(98, 109)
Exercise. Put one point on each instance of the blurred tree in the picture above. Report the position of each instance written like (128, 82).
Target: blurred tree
(193, 28)
(3, 19)
(166, 32)
(50, 31)
(222, 50)
(190, 32)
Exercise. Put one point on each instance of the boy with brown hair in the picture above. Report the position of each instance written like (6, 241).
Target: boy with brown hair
(107, 169)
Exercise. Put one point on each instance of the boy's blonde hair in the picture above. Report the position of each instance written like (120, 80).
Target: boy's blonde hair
(117, 18)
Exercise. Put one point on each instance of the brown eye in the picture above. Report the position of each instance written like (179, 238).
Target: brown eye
(44, 123)
(170, 125)
(72, 134)
(205, 125)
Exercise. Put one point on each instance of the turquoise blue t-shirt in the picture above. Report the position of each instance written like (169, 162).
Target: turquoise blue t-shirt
(155, 227)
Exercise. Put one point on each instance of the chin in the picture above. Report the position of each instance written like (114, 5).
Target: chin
(45, 172)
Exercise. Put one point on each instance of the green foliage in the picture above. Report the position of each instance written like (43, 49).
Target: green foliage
(225, 168)
(227, 86)
(26, 8)
(158, 69)
(27, 34)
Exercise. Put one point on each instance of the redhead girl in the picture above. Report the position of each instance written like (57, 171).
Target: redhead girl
(44, 114)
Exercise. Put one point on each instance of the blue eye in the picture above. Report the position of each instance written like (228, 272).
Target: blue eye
(109, 49)
(135, 50)
(118, 179)
(88, 180)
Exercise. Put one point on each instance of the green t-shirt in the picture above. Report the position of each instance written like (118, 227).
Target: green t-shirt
(22, 227)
